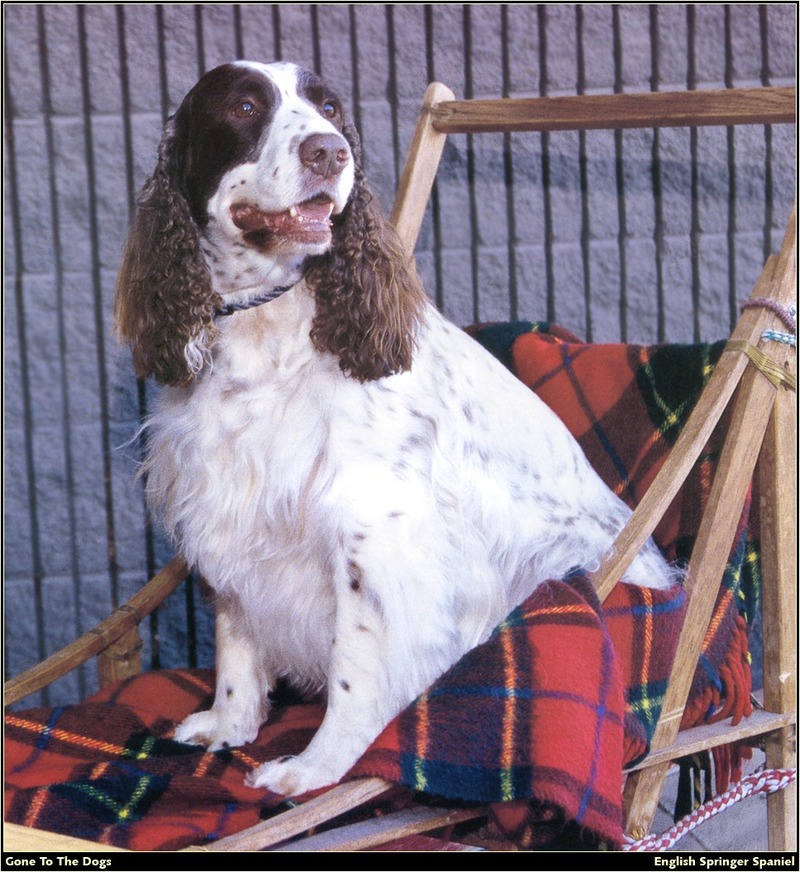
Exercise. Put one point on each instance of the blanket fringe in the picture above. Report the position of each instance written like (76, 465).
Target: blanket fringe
(729, 698)
(760, 783)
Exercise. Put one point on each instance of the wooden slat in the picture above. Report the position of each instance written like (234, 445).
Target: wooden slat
(304, 817)
(721, 733)
(618, 111)
(22, 840)
(121, 621)
(379, 830)
(18, 839)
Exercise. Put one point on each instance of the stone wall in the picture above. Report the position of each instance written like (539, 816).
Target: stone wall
(601, 232)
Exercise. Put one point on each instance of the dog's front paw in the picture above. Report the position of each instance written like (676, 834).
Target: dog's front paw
(291, 776)
(214, 730)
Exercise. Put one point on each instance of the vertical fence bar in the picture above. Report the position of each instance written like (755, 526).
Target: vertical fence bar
(508, 175)
(37, 567)
(656, 181)
(99, 321)
(733, 305)
(354, 65)
(315, 44)
(237, 31)
(474, 235)
(58, 273)
(391, 44)
(127, 138)
(694, 231)
(619, 157)
(199, 39)
(436, 214)
(763, 21)
(541, 15)
(583, 170)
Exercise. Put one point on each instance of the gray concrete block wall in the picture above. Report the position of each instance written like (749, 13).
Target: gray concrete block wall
(88, 90)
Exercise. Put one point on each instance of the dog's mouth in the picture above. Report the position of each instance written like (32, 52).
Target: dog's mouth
(307, 222)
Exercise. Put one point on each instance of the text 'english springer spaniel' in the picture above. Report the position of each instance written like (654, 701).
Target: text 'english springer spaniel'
(365, 489)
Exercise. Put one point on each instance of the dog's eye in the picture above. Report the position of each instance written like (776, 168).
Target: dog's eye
(245, 109)
(330, 109)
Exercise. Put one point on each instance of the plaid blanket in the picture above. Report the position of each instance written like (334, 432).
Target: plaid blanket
(539, 721)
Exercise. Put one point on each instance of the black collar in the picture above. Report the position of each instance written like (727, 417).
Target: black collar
(272, 294)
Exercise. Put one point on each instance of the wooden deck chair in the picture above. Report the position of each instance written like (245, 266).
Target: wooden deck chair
(756, 376)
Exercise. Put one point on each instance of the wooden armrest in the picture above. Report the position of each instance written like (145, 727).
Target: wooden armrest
(699, 108)
(117, 626)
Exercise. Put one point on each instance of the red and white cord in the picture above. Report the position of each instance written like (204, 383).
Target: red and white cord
(768, 781)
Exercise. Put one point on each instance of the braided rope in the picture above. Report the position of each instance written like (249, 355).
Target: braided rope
(778, 336)
(787, 314)
(768, 781)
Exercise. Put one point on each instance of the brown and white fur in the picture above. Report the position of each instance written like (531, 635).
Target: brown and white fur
(367, 491)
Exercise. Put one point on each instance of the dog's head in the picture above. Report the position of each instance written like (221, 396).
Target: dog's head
(259, 183)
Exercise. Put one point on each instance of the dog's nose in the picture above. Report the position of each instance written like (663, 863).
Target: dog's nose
(325, 154)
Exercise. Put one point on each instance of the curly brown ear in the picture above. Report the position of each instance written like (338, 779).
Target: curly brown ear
(164, 301)
(369, 297)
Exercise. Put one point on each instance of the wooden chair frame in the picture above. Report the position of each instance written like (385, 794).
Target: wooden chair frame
(757, 377)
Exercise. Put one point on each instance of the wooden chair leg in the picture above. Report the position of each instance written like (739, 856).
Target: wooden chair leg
(778, 484)
(419, 172)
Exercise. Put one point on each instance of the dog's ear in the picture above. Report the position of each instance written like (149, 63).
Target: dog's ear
(164, 300)
(369, 297)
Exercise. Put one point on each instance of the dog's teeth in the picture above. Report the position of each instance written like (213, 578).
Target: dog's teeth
(293, 212)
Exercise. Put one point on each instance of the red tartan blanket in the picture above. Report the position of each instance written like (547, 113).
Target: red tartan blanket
(539, 721)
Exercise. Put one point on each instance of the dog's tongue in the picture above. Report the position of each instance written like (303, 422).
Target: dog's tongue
(314, 210)
(249, 218)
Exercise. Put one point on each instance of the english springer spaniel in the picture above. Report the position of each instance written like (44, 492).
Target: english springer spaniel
(366, 490)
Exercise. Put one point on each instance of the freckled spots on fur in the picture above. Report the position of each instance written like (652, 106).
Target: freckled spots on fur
(229, 692)
(412, 444)
(285, 758)
(344, 685)
(430, 423)
(468, 413)
(607, 525)
(362, 628)
(395, 514)
(359, 537)
(356, 574)
(400, 468)
(373, 601)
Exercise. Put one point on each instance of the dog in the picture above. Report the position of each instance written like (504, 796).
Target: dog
(365, 489)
